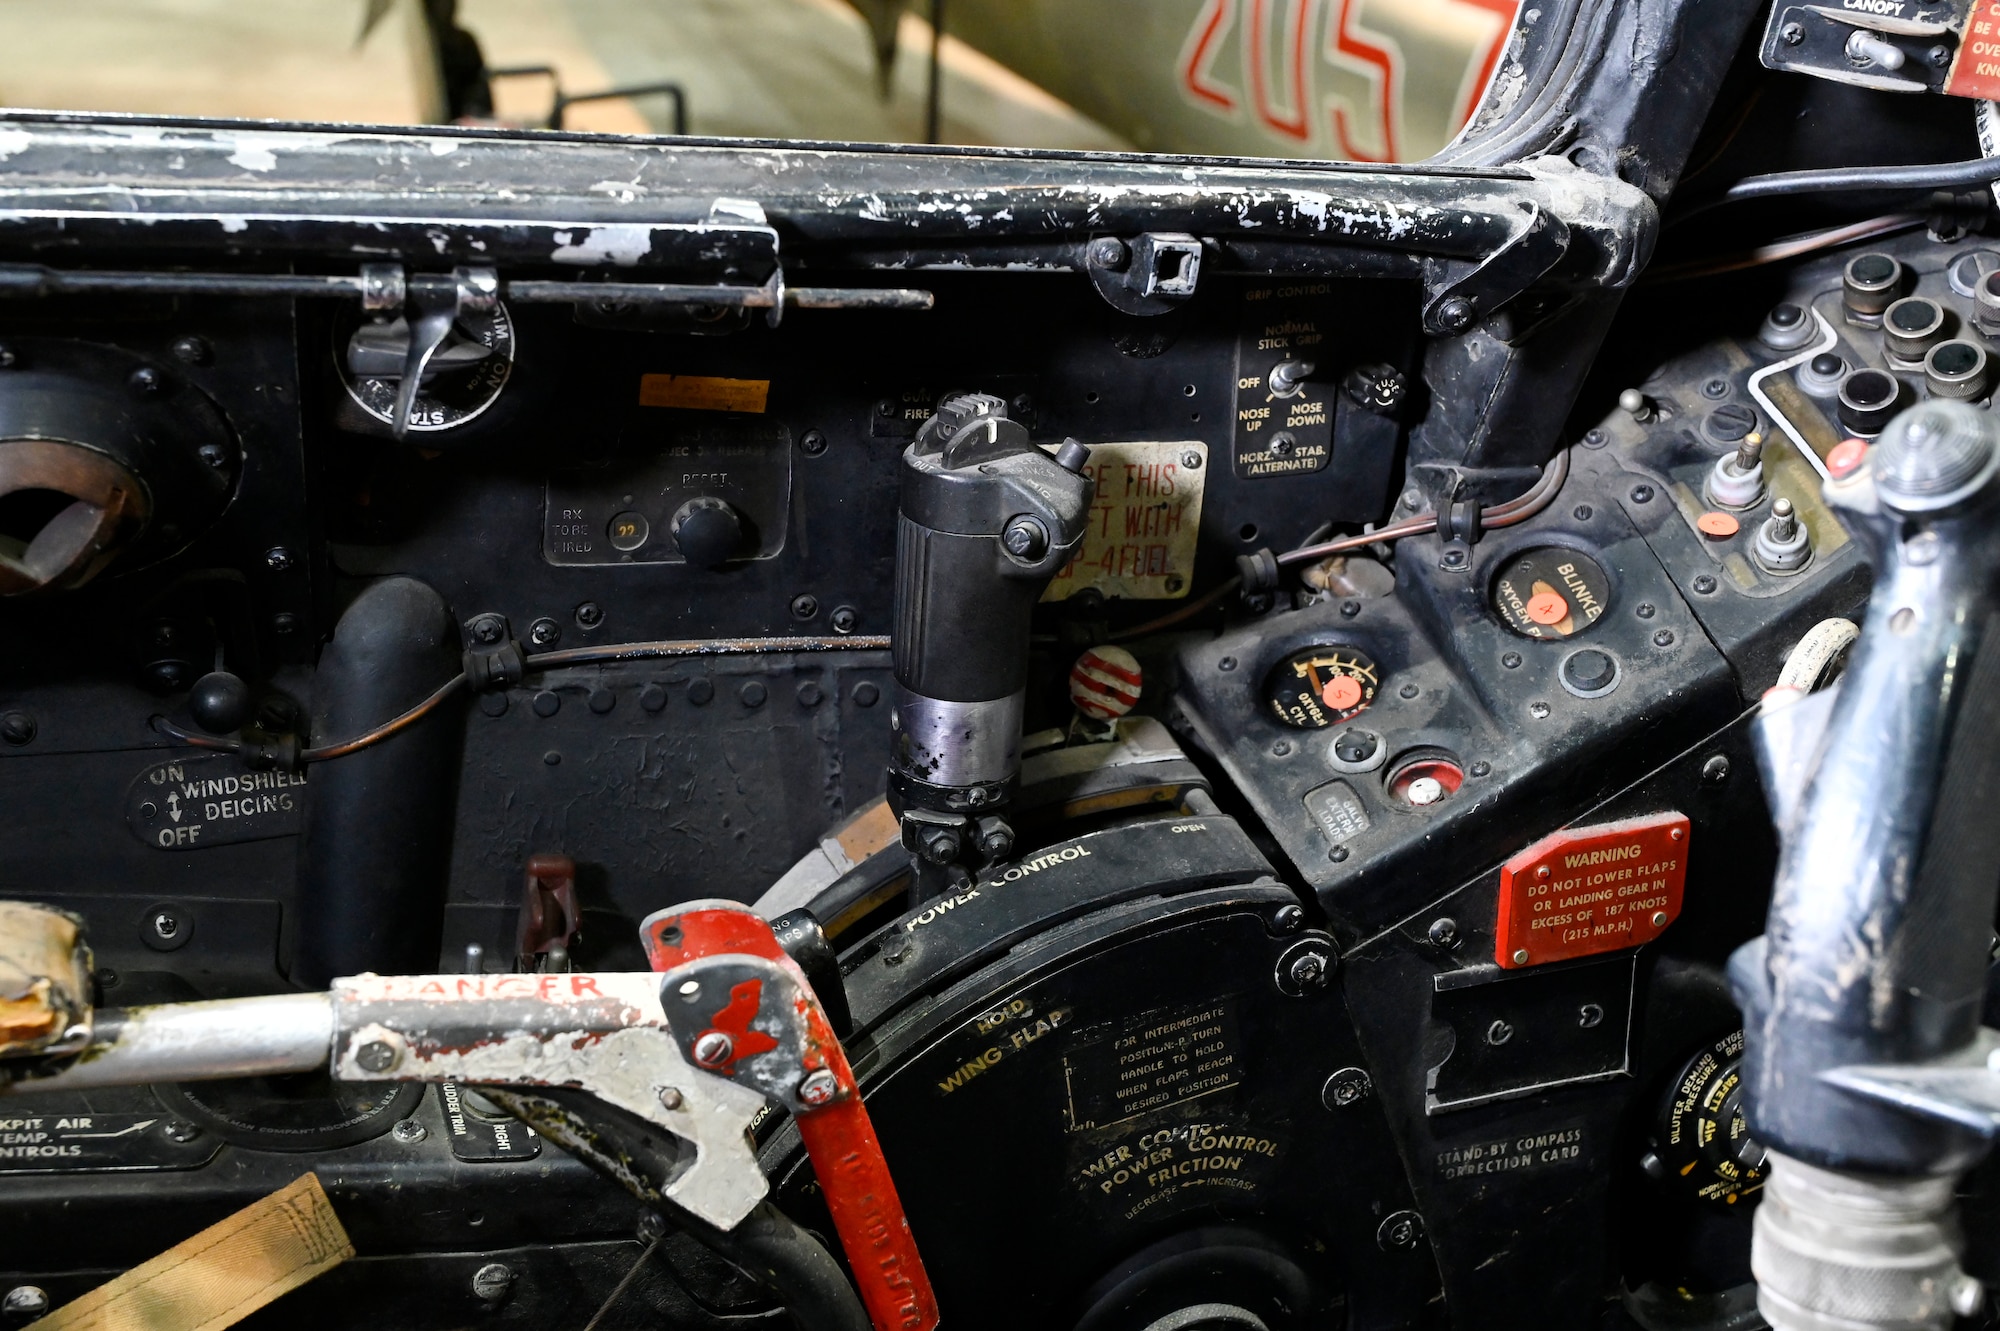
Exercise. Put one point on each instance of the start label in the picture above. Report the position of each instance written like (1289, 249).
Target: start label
(192, 803)
(1587, 890)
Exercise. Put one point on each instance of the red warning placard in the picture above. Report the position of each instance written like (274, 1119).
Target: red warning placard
(1586, 890)
(1976, 70)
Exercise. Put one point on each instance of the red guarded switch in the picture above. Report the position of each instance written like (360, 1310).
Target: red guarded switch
(1586, 890)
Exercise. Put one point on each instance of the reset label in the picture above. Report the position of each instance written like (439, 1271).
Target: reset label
(193, 803)
(1166, 1057)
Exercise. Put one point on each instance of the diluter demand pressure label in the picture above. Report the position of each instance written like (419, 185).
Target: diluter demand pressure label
(1592, 889)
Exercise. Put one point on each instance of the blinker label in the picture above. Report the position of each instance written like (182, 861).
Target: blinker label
(1587, 890)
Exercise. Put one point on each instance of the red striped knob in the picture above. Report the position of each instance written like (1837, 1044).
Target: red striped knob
(1105, 682)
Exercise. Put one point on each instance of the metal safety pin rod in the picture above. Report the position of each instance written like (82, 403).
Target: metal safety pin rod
(37, 280)
(229, 1037)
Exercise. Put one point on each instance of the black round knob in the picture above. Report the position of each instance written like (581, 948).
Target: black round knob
(220, 703)
(1355, 746)
(1866, 401)
(707, 531)
(1590, 670)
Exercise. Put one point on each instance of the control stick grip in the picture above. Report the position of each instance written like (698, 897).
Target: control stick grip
(986, 520)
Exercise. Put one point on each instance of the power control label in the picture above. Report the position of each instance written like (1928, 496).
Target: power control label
(1284, 390)
(1592, 889)
(1146, 1169)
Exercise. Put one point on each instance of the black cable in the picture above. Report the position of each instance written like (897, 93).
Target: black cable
(1924, 176)
(623, 1285)
(768, 1246)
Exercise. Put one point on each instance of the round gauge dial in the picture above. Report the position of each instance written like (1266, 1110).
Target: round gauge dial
(1321, 686)
(1552, 592)
(1702, 1142)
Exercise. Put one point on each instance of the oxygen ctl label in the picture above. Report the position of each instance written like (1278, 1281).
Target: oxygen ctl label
(213, 800)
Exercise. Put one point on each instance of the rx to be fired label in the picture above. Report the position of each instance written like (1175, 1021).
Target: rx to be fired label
(1592, 889)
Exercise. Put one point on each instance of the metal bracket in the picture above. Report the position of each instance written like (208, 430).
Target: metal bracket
(1963, 1089)
(1459, 294)
(602, 1033)
(1154, 273)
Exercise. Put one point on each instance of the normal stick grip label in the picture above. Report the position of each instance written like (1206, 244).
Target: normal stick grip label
(1587, 890)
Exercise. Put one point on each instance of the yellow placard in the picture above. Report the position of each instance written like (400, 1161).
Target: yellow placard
(697, 392)
(1144, 522)
(221, 1275)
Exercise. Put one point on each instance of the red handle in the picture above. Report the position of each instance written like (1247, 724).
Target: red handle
(838, 1136)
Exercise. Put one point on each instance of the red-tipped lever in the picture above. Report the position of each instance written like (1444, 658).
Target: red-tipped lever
(838, 1137)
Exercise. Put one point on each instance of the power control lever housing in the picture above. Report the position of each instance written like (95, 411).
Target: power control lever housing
(986, 520)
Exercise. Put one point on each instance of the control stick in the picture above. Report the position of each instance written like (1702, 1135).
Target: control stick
(986, 520)
(1866, 1068)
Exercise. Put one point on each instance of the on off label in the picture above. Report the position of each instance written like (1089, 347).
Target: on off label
(1592, 889)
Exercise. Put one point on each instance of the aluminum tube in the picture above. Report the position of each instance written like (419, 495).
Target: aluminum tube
(957, 743)
(229, 1037)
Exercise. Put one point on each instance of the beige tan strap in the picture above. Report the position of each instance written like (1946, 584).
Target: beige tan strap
(221, 1275)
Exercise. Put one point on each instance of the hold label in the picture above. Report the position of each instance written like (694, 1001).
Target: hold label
(1592, 889)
